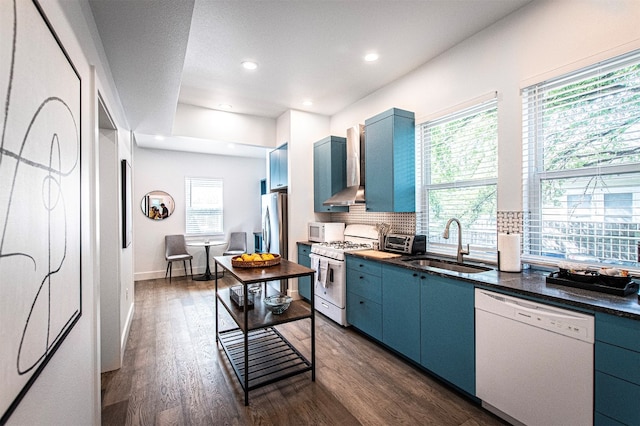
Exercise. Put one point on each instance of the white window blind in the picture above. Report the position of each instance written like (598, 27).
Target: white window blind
(204, 208)
(457, 172)
(581, 147)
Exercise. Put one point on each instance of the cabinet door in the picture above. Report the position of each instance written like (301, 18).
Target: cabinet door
(304, 283)
(329, 172)
(617, 399)
(390, 162)
(284, 164)
(278, 173)
(364, 314)
(401, 310)
(378, 171)
(617, 375)
(356, 265)
(448, 330)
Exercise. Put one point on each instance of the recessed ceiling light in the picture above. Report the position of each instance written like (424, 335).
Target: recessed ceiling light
(224, 106)
(159, 137)
(307, 102)
(249, 65)
(370, 57)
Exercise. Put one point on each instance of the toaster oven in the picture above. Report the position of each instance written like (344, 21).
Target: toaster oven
(405, 244)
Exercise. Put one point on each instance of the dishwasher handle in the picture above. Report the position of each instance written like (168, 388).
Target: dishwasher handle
(540, 310)
(572, 324)
(534, 308)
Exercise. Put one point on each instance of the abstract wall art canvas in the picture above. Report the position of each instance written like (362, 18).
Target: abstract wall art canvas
(40, 242)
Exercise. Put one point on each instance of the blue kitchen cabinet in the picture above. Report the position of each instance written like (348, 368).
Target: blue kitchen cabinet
(447, 326)
(390, 162)
(329, 172)
(364, 296)
(304, 283)
(617, 370)
(401, 310)
(278, 168)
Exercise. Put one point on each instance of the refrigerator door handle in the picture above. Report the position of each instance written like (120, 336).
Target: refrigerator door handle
(266, 230)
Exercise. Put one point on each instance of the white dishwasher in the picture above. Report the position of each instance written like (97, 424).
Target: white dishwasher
(534, 362)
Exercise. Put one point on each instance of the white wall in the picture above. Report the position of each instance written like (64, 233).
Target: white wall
(306, 129)
(110, 243)
(126, 296)
(68, 389)
(165, 171)
(542, 39)
(210, 124)
(301, 130)
(116, 263)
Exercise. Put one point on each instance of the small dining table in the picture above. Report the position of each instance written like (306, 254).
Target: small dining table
(207, 276)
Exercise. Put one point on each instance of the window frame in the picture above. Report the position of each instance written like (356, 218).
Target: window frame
(435, 243)
(534, 175)
(216, 212)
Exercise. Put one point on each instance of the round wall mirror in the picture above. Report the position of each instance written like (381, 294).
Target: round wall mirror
(157, 205)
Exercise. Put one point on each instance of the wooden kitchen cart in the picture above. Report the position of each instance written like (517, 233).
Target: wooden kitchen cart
(256, 342)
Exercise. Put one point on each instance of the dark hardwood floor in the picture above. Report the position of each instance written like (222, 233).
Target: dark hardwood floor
(174, 373)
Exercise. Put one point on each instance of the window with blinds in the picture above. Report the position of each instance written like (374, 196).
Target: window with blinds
(457, 174)
(581, 148)
(204, 208)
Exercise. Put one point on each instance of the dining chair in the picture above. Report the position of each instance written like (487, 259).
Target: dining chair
(175, 249)
(237, 245)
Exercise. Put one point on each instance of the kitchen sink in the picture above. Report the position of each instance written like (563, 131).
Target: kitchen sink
(448, 266)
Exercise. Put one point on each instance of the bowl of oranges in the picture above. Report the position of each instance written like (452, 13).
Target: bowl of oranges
(255, 260)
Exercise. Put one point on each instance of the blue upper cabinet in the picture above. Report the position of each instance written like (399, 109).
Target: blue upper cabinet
(390, 162)
(329, 172)
(278, 171)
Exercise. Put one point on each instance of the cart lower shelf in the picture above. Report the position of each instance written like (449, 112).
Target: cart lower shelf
(271, 357)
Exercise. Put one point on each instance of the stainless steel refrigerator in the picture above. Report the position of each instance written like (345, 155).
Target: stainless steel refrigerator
(274, 223)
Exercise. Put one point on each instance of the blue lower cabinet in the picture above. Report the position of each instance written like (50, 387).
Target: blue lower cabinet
(617, 399)
(448, 330)
(364, 296)
(364, 314)
(617, 370)
(401, 310)
(601, 420)
(304, 283)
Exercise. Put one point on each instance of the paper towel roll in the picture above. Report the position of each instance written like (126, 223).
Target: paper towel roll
(509, 252)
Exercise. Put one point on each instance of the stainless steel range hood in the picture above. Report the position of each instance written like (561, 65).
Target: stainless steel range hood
(354, 192)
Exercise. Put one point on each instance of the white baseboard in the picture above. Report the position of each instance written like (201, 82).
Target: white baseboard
(177, 272)
(125, 332)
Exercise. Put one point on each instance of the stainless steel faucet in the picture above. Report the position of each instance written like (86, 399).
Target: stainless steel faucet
(445, 235)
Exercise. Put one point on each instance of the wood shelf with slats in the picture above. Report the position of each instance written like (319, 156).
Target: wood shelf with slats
(271, 356)
(260, 316)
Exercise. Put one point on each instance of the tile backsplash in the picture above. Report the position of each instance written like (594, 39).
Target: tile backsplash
(510, 222)
(405, 223)
(401, 223)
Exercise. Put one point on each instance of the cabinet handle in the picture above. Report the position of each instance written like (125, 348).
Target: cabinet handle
(415, 275)
(361, 277)
(362, 302)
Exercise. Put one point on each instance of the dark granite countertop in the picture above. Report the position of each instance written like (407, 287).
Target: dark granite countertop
(532, 283)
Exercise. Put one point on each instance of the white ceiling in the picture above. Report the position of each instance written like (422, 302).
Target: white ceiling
(165, 52)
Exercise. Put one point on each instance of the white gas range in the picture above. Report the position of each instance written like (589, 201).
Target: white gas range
(331, 273)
